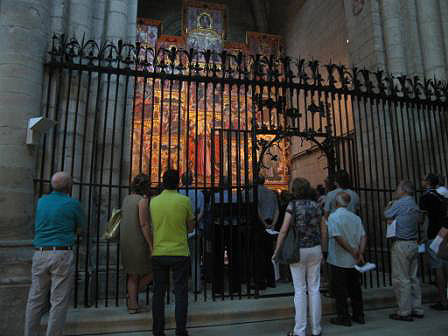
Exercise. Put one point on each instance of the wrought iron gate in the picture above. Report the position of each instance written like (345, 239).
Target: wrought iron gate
(122, 109)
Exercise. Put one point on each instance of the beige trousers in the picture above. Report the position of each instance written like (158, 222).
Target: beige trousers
(52, 281)
(404, 277)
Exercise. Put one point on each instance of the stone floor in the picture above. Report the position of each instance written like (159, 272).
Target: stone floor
(435, 323)
(227, 314)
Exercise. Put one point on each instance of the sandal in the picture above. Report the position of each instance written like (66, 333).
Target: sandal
(132, 310)
(397, 317)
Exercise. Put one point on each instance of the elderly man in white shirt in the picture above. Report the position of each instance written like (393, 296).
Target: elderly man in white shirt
(343, 183)
(346, 248)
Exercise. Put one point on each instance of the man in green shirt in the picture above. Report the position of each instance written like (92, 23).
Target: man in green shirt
(172, 219)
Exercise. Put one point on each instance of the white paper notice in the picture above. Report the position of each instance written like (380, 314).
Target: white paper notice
(422, 248)
(365, 268)
(391, 229)
(436, 244)
(272, 232)
(192, 234)
(276, 270)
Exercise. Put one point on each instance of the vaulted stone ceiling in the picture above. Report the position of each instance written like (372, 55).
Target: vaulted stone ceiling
(280, 13)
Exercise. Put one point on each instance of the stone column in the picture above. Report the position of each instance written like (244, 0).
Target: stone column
(117, 19)
(24, 36)
(80, 17)
(98, 19)
(131, 36)
(77, 20)
(393, 38)
(24, 32)
(433, 49)
(121, 21)
(444, 18)
(115, 106)
(396, 61)
(431, 36)
(378, 37)
(414, 49)
(58, 15)
(132, 20)
(120, 24)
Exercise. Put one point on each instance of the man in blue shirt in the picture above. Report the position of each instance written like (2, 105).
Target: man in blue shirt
(404, 253)
(194, 239)
(58, 217)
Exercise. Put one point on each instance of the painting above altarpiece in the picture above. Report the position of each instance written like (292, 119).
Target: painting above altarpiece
(265, 44)
(148, 32)
(204, 16)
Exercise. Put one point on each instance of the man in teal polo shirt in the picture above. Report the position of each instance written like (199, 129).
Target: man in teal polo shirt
(172, 219)
(58, 217)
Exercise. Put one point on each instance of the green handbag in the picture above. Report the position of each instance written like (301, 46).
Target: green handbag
(113, 226)
(289, 250)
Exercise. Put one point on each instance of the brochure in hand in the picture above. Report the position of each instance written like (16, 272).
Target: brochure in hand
(366, 267)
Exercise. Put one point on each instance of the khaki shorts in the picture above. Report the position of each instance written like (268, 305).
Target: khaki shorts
(434, 261)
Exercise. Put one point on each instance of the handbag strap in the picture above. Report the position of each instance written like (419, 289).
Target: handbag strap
(294, 210)
(294, 216)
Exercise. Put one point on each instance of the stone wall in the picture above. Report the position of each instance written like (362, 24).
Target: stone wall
(311, 165)
(318, 31)
(398, 36)
(24, 35)
(25, 32)
(402, 37)
(315, 30)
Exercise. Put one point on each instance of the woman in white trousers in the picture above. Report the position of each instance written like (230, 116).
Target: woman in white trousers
(306, 215)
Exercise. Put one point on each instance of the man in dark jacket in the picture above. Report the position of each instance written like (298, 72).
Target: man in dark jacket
(435, 209)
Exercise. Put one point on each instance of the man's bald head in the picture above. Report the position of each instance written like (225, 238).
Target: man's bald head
(61, 182)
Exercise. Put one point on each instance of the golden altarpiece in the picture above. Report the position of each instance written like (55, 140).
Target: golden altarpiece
(174, 122)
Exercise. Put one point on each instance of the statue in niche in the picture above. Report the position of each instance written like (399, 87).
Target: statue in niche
(205, 21)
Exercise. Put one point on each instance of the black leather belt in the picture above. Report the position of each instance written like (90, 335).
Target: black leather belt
(401, 239)
(54, 248)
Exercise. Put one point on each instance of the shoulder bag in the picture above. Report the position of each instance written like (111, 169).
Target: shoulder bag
(289, 251)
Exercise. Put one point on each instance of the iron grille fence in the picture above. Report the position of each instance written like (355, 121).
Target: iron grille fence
(123, 109)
